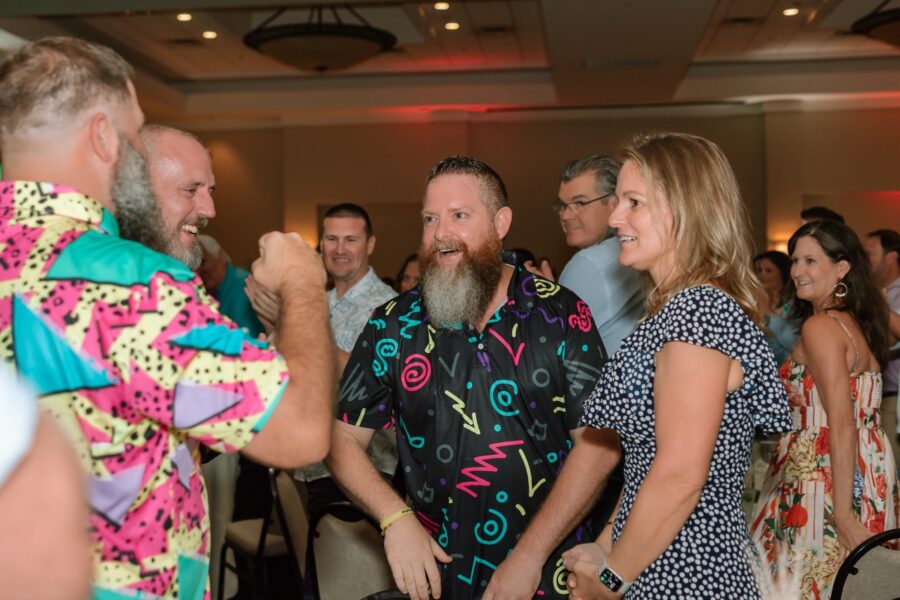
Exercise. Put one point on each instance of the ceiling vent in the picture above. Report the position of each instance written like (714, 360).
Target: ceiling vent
(325, 42)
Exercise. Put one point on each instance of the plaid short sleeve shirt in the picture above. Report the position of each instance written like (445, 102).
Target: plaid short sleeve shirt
(131, 356)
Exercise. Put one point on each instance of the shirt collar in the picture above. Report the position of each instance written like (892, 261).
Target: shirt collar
(32, 199)
(360, 288)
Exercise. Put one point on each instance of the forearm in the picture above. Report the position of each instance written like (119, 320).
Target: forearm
(579, 484)
(661, 508)
(359, 478)
(304, 339)
(842, 451)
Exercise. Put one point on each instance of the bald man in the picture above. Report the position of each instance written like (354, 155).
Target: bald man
(122, 345)
(182, 177)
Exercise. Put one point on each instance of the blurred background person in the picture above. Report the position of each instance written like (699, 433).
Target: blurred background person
(227, 284)
(883, 248)
(819, 213)
(409, 274)
(686, 390)
(773, 269)
(831, 482)
(43, 507)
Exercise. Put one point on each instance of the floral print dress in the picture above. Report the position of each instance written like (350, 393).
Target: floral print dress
(795, 507)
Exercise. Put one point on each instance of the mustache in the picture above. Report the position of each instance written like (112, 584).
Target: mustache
(443, 245)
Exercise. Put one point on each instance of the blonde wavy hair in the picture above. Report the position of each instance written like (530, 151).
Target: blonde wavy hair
(710, 232)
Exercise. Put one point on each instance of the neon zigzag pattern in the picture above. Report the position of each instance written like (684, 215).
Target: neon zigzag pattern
(486, 467)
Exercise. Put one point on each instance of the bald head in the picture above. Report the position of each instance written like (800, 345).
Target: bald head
(183, 181)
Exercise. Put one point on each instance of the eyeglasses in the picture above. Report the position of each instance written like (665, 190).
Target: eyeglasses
(578, 205)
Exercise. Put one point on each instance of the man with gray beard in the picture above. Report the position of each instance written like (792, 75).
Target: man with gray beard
(483, 370)
(121, 344)
(183, 182)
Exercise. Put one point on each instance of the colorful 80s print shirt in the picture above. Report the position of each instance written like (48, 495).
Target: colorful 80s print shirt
(134, 360)
(482, 419)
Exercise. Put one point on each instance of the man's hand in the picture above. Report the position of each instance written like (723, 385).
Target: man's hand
(517, 577)
(285, 260)
(544, 270)
(411, 552)
(265, 303)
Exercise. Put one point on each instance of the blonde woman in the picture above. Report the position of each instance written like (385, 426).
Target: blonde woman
(687, 388)
(832, 481)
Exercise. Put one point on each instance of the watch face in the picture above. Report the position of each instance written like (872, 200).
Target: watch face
(610, 580)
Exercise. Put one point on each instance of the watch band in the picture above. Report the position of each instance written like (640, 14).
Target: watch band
(612, 580)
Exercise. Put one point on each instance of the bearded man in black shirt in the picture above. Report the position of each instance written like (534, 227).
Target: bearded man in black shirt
(482, 370)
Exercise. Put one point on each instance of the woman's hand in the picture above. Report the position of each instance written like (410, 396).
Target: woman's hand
(850, 534)
(584, 573)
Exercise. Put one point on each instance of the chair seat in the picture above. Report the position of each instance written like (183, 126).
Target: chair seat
(245, 535)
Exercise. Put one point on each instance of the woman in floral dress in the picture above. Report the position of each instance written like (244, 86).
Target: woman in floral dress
(832, 481)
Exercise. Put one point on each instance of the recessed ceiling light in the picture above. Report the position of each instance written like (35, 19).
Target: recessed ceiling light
(441, 6)
(210, 35)
(184, 17)
(791, 12)
(451, 26)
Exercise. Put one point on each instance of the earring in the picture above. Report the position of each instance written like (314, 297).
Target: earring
(840, 289)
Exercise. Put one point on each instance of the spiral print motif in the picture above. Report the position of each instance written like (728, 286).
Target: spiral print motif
(416, 373)
(494, 529)
(560, 575)
(581, 320)
(502, 399)
(545, 288)
(386, 348)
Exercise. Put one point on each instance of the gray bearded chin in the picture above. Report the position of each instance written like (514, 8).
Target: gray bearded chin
(461, 295)
(137, 210)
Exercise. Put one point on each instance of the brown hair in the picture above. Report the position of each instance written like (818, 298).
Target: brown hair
(494, 197)
(710, 225)
(55, 79)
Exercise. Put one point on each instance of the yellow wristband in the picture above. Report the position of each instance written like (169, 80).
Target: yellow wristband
(388, 521)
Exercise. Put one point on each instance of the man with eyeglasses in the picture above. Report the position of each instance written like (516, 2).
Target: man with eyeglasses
(613, 292)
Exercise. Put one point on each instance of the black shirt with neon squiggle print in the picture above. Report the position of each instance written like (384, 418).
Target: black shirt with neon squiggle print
(482, 418)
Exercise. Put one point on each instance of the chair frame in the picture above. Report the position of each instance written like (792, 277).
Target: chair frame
(340, 510)
(257, 559)
(848, 567)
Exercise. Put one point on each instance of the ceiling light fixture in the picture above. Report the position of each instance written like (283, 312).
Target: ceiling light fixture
(184, 17)
(320, 45)
(451, 26)
(441, 6)
(791, 12)
(882, 26)
(210, 35)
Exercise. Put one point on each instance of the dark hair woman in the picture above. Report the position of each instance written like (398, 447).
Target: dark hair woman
(832, 482)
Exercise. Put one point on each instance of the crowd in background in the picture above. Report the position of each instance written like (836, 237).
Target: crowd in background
(512, 434)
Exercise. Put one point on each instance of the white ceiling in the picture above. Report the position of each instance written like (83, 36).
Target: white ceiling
(508, 57)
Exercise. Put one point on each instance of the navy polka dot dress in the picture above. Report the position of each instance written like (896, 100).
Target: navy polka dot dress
(710, 557)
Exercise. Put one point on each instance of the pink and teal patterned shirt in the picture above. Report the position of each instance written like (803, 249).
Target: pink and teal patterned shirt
(134, 360)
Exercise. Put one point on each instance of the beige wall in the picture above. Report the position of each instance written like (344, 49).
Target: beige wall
(278, 178)
(249, 188)
(382, 168)
(838, 155)
(529, 156)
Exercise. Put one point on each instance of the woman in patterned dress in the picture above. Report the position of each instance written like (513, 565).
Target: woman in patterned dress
(686, 390)
(832, 482)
